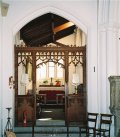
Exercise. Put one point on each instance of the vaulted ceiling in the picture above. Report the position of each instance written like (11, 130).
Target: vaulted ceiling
(46, 29)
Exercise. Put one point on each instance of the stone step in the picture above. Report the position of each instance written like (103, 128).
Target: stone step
(47, 135)
(50, 128)
(50, 122)
(46, 131)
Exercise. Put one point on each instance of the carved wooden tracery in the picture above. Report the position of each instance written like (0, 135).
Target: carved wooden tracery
(69, 54)
(76, 58)
(75, 55)
(55, 57)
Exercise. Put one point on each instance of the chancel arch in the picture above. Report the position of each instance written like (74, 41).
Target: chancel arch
(51, 42)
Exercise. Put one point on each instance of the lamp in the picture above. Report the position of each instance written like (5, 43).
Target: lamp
(75, 80)
(4, 9)
(25, 80)
(11, 82)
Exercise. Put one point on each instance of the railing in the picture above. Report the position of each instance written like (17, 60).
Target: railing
(32, 130)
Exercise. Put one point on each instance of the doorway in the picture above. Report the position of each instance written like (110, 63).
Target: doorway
(26, 101)
(26, 57)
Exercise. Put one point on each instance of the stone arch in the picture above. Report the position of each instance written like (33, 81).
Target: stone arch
(45, 10)
(42, 11)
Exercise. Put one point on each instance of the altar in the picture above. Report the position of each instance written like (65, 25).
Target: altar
(52, 93)
(51, 87)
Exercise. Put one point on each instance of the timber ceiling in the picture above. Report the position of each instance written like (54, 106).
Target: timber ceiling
(46, 29)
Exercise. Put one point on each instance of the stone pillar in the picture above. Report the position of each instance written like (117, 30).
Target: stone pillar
(108, 49)
(115, 102)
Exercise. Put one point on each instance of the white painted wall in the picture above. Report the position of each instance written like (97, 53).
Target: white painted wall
(68, 40)
(0, 72)
(84, 14)
(108, 50)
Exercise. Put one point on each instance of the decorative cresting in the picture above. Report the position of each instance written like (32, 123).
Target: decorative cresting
(115, 102)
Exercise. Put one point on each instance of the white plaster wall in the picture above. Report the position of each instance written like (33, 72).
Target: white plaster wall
(0, 71)
(68, 40)
(108, 51)
(82, 13)
(92, 83)
(78, 38)
(118, 38)
(114, 10)
(118, 43)
(107, 64)
(7, 71)
(118, 35)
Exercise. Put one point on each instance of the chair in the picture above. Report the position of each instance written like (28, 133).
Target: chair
(90, 127)
(10, 134)
(105, 124)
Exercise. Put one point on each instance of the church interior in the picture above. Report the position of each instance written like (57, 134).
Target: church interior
(60, 68)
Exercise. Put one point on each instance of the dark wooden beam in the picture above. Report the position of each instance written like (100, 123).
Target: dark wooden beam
(29, 49)
(52, 27)
(63, 26)
(39, 38)
(37, 32)
(33, 28)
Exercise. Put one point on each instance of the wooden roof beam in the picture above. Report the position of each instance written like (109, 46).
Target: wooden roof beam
(63, 26)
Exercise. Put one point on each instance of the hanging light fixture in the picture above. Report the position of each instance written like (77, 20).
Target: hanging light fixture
(75, 80)
(25, 80)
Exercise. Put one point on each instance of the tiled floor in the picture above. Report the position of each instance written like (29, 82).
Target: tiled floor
(52, 112)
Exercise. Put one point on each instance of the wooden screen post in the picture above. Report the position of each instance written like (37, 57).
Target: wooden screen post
(34, 83)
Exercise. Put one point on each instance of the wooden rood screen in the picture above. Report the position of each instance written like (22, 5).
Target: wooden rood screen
(26, 60)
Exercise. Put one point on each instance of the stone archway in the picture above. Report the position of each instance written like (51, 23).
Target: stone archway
(43, 11)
